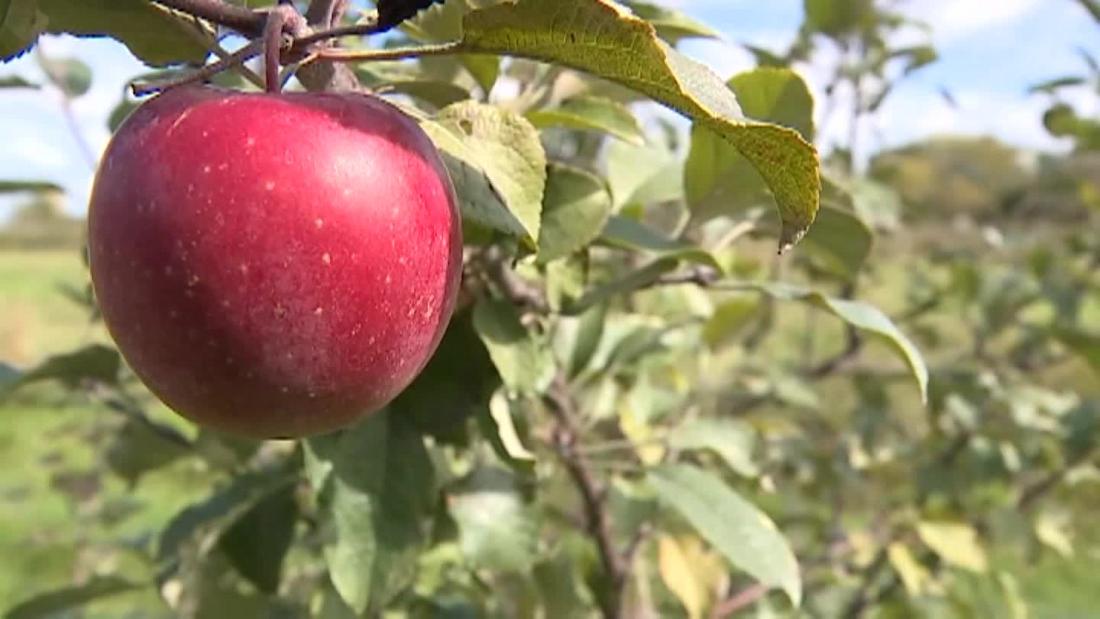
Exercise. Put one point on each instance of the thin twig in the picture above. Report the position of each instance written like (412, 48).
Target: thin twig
(397, 53)
(238, 57)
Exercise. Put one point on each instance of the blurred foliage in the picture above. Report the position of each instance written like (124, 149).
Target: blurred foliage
(639, 409)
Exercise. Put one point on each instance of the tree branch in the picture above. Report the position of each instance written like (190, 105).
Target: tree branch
(207, 71)
(238, 18)
(593, 496)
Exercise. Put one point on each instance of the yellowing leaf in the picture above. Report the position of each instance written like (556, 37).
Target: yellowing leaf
(692, 573)
(599, 37)
(955, 543)
(507, 148)
(916, 578)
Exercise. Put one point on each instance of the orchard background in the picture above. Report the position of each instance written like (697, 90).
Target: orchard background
(639, 408)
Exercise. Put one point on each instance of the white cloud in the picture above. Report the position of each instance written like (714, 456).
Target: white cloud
(952, 20)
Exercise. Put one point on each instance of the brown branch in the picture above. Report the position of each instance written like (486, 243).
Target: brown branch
(593, 496)
(206, 72)
(739, 601)
(238, 18)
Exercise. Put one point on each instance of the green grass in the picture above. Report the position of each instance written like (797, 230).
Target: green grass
(48, 539)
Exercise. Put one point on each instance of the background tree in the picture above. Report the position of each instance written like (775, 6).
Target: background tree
(639, 409)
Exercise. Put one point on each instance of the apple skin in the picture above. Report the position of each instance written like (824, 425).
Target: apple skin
(274, 265)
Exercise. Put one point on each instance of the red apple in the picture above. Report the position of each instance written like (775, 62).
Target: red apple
(274, 265)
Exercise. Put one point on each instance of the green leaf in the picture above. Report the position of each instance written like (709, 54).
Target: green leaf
(729, 318)
(524, 361)
(718, 179)
(504, 436)
(837, 17)
(1084, 344)
(454, 386)
(643, 175)
(72, 76)
(479, 201)
(604, 39)
(438, 94)
(591, 114)
(730, 439)
(20, 23)
(376, 483)
(96, 362)
(157, 36)
(840, 240)
(15, 81)
(507, 148)
(142, 445)
(222, 508)
(55, 603)
(35, 186)
(258, 541)
(575, 209)
(956, 543)
(586, 339)
(631, 234)
(671, 25)
(861, 316)
(496, 530)
(733, 526)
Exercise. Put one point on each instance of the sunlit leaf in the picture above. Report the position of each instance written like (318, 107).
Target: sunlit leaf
(507, 148)
(956, 543)
(601, 38)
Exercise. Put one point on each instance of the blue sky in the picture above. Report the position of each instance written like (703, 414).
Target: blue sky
(990, 52)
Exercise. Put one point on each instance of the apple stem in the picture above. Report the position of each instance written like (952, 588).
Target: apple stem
(273, 44)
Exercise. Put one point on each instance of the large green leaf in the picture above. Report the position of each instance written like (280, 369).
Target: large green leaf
(736, 528)
(718, 179)
(593, 114)
(376, 483)
(575, 210)
(604, 39)
(55, 603)
(862, 316)
(154, 34)
(507, 148)
(496, 530)
(20, 23)
(524, 360)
